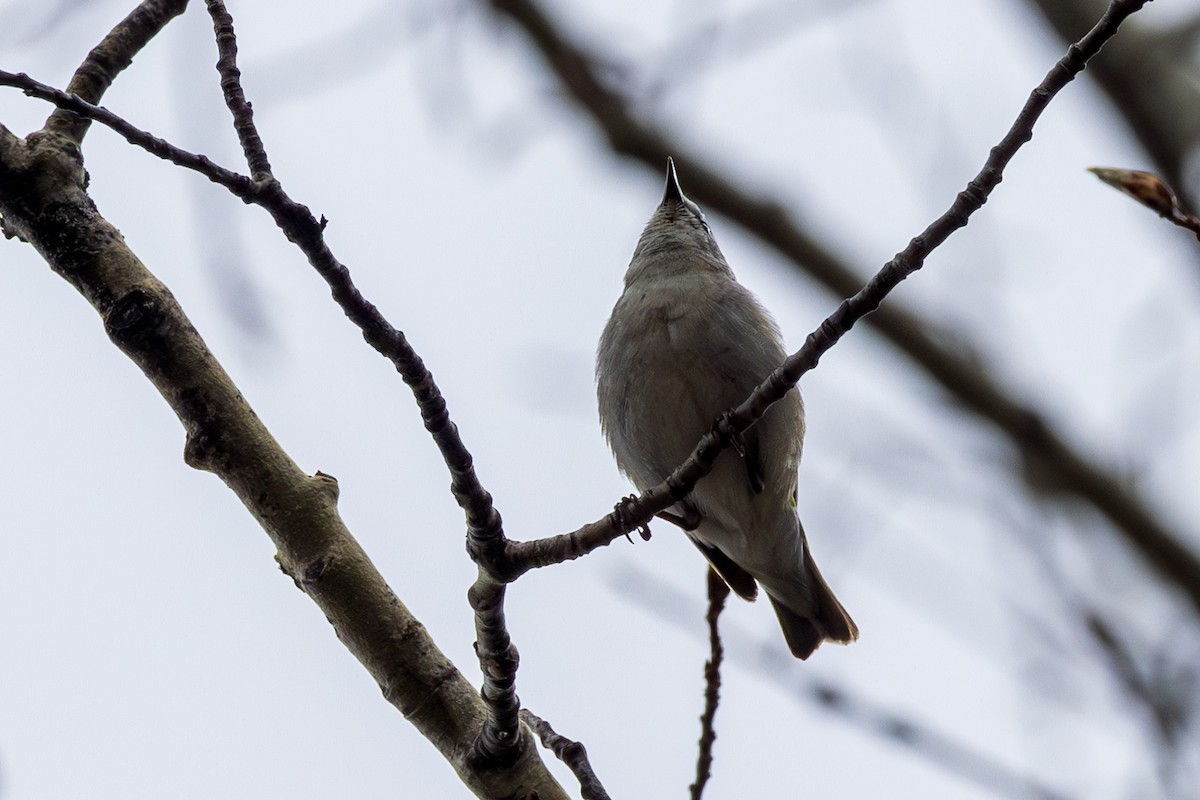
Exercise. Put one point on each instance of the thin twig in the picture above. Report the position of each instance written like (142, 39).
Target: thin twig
(1169, 722)
(239, 185)
(718, 592)
(107, 59)
(235, 97)
(571, 753)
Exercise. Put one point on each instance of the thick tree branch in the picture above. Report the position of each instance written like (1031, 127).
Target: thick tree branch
(1046, 456)
(42, 201)
(485, 534)
(499, 742)
(107, 59)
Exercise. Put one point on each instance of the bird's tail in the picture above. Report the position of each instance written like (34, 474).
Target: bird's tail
(826, 619)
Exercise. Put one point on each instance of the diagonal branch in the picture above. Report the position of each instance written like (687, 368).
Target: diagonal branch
(500, 735)
(497, 742)
(1166, 120)
(42, 200)
(571, 753)
(238, 185)
(107, 59)
(1043, 452)
(235, 97)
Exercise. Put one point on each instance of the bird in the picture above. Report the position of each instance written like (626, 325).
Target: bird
(685, 344)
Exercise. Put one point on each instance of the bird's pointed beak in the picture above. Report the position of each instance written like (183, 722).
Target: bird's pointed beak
(673, 194)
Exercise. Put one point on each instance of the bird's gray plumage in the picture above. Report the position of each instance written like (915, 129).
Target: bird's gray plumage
(685, 343)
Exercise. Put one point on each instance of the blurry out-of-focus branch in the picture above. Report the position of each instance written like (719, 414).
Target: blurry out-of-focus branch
(1168, 719)
(1148, 83)
(1046, 457)
(1134, 663)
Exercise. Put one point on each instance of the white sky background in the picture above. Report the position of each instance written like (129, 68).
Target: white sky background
(150, 646)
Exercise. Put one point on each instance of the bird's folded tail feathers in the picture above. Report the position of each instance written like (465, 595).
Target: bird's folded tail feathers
(830, 615)
(828, 621)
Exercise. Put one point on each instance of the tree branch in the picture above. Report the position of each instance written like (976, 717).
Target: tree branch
(485, 534)
(571, 753)
(238, 185)
(718, 592)
(235, 97)
(1044, 453)
(42, 201)
(107, 59)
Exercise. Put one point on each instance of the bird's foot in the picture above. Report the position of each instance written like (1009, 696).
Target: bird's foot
(624, 520)
(724, 429)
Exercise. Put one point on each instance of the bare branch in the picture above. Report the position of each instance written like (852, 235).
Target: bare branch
(1044, 453)
(718, 592)
(499, 741)
(107, 59)
(42, 199)
(500, 735)
(571, 753)
(235, 97)
(239, 185)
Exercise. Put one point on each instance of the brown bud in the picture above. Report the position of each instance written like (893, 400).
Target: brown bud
(1147, 188)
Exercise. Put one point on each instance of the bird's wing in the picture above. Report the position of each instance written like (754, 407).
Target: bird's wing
(740, 581)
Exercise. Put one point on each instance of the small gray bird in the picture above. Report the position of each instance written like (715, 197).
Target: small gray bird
(686, 342)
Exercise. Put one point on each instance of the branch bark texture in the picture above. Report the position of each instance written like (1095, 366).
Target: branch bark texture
(43, 202)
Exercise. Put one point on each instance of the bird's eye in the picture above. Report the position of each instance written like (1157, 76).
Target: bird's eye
(695, 209)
